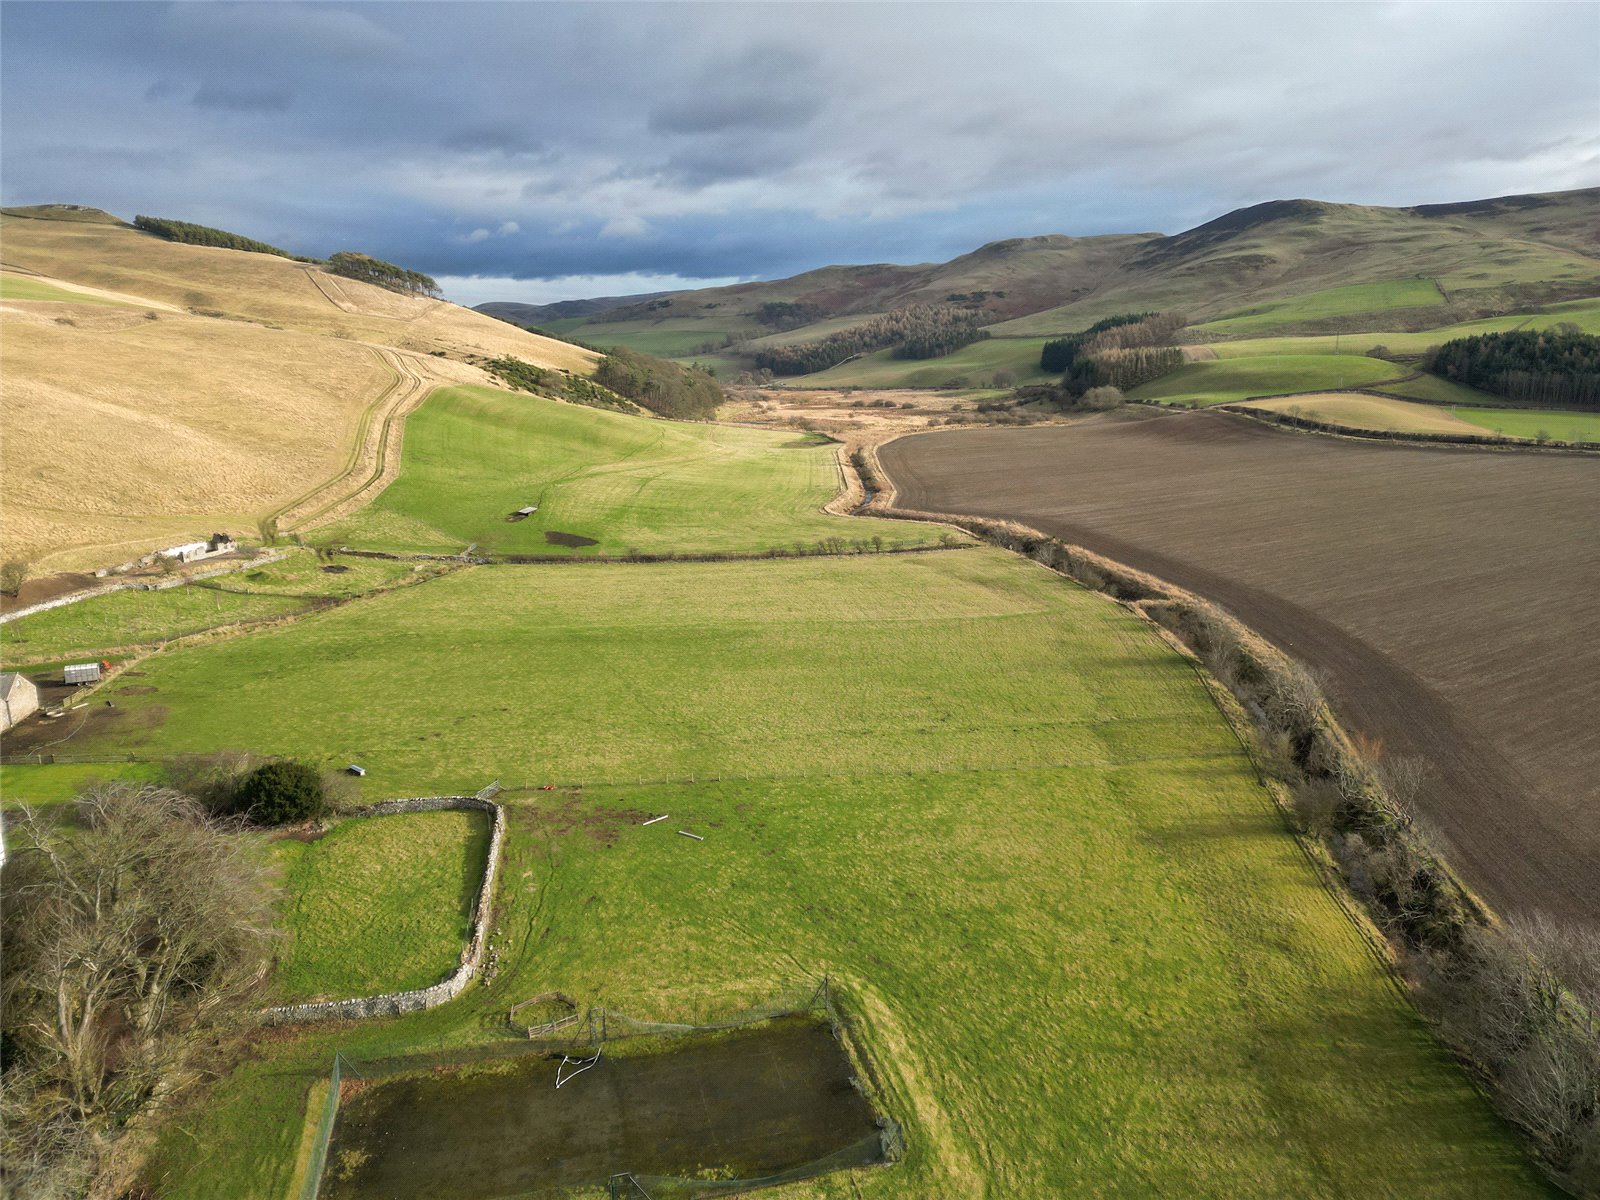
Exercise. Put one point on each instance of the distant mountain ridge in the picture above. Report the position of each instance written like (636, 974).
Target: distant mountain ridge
(1489, 255)
(530, 315)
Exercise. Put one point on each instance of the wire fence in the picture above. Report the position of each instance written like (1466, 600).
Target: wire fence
(322, 1138)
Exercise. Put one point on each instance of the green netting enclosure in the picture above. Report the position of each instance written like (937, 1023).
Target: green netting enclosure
(718, 1104)
(322, 1137)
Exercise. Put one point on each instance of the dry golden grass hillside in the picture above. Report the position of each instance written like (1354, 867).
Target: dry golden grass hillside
(215, 387)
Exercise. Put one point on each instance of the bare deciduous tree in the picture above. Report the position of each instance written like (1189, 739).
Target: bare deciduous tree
(125, 939)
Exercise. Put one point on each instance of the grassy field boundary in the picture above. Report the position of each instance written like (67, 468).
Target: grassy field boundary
(132, 652)
(1461, 440)
(1455, 936)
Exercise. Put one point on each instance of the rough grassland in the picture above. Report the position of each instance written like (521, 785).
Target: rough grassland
(1223, 381)
(1099, 966)
(380, 904)
(1368, 412)
(25, 287)
(474, 455)
(1334, 302)
(268, 290)
(121, 431)
(124, 429)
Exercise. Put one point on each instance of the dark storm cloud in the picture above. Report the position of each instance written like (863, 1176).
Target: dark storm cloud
(765, 88)
(537, 141)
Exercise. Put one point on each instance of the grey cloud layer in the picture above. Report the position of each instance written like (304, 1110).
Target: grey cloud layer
(704, 141)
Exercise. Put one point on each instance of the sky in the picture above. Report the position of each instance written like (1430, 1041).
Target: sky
(546, 151)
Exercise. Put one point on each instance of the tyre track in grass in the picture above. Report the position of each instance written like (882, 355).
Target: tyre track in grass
(375, 458)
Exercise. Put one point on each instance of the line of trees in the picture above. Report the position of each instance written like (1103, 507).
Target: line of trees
(1120, 351)
(916, 332)
(1538, 366)
(783, 315)
(204, 235)
(355, 265)
(350, 263)
(665, 388)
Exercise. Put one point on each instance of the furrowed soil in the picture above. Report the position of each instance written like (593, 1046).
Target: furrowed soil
(1449, 595)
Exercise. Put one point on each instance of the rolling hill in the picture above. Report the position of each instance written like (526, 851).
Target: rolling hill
(1285, 266)
(157, 390)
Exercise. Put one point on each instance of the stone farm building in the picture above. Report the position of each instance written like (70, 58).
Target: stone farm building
(19, 699)
(219, 543)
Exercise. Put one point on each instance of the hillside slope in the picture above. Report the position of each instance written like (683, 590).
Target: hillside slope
(1285, 265)
(156, 390)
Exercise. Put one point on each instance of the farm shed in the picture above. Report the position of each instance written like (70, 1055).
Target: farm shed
(187, 552)
(81, 673)
(19, 699)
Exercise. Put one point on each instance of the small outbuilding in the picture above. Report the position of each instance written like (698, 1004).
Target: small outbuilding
(19, 698)
(352, 769)
(81, 673)
(188, 552)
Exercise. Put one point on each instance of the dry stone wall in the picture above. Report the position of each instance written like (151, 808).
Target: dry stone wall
(395, 1003)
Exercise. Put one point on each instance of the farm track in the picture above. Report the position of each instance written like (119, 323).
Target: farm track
(1449, 596)
(375, 459)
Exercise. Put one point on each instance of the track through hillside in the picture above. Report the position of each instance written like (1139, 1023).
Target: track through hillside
(375, 458)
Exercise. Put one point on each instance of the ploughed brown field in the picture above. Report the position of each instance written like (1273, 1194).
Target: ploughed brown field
(1451, 597)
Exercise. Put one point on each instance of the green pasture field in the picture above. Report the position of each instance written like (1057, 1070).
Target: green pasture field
(23, 287)
(306, 575)
(51, 784)
(664, 343)
(671, 337)
(1434, 389)
(721, 366)
(1332, 302)
(1532, 423)
(563, 324)
(977, 362)
(379, 904)
(1226, 380)
(128, 618)
(473, 455)
(104, 624)
(1585, 314)
(1083, 953)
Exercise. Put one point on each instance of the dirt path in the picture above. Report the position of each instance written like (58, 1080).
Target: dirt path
(375, 459)
(1450, 596)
